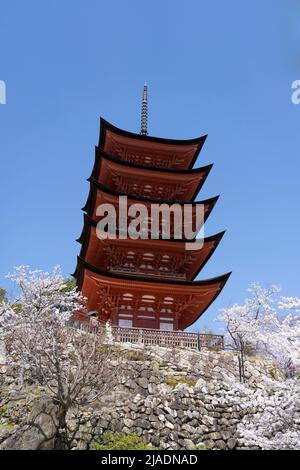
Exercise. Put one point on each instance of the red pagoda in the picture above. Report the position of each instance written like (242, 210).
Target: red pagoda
(145, 282)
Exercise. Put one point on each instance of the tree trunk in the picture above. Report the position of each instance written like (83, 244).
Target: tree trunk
(61, 442)
(241, 358)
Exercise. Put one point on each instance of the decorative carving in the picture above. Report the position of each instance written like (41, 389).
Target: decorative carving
(164, 191)
(147, 226)
(145, 158)
(159, 305)
(107, 301)
(133, 261)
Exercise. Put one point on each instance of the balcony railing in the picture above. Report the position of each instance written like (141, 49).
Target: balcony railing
(165, 338)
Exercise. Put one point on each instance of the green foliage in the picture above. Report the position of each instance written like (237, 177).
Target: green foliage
(273, 374)
(3, 410)
(7, 426)
(207, 447)
(7, 423)
(134, 355)
(2, 294)
(249, 350)
(173, 381)
(17, 308)
(70, 284)
(120, 441)
(162, 365)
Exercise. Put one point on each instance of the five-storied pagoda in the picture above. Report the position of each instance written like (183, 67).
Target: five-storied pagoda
(144, 282)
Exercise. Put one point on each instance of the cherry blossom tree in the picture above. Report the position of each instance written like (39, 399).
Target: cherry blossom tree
(266, 323)
(72, 365)
(275, 425)
(270, 414)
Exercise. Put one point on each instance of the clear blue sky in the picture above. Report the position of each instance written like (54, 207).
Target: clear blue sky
(222, 68)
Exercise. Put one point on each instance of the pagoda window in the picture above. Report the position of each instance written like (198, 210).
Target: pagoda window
(166, 310)
(125, 320)
(127, 296)
(167, 299)
(146, 266)
(146, 309)
(166, 326)
(125, 323)
(148, 255)
(148, 298)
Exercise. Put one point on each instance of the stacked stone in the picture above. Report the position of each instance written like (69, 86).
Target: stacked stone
(171, 399)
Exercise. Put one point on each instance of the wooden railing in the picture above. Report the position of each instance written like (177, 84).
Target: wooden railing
(172, 339)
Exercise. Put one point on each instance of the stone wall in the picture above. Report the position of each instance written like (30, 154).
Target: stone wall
(173, 399)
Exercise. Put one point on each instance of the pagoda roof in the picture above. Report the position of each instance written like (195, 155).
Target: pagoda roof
(197, 296)
(148, 181)
(101, 153)
(94, 249)
(113, 140)
(101, 194)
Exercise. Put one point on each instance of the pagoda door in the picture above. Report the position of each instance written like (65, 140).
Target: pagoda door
(143, 321)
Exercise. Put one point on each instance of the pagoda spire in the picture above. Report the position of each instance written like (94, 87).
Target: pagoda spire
(144, 112)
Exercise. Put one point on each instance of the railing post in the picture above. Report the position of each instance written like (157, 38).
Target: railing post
(140, 336)
(198, 342)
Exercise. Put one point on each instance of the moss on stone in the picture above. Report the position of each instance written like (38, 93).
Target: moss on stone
(173, 381)
(120, 441)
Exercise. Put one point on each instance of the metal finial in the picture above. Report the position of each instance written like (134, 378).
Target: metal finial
(144, 113)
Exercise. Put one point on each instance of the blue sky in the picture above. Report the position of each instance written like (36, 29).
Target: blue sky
(222, 68)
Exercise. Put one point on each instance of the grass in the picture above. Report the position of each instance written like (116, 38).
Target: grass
(207, 447)
(120, 441)
(173, 382)
(134, 355)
